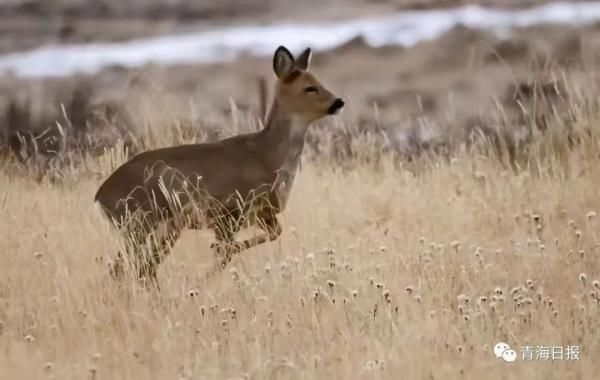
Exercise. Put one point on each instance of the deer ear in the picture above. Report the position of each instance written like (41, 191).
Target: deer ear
(303, 60)
(283, 62)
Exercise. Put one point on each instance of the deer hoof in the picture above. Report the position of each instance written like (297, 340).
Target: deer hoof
(116, 269)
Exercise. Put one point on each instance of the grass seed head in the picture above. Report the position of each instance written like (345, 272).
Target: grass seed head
(593, 294)
(455, 245)
(386, 295)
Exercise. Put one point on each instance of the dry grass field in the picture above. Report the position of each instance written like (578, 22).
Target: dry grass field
(409, 248)
(410, 272)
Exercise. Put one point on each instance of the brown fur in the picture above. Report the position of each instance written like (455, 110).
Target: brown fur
(240, 181)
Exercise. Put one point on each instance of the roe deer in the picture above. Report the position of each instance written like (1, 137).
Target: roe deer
(233, 183)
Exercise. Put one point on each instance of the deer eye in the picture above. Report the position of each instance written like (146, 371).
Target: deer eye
(311, 89)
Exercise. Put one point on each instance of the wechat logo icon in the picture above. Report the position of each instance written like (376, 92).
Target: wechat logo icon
(503, 351)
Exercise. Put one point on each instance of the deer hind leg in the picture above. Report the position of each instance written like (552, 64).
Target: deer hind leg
(148, 244)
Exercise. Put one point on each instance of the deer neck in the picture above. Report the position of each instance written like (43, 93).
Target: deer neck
(283, 139)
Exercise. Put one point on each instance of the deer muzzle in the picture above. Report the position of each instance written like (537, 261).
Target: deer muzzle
(336, 106)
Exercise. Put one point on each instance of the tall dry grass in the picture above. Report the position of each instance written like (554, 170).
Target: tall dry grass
(381, 272)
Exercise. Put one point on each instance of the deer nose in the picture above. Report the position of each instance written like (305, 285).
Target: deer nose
(337, 105)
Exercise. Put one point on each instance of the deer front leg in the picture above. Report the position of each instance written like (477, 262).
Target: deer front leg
(272, 229)
(225, 230)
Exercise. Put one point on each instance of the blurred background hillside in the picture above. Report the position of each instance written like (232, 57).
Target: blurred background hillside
(29, 23)
(409, 98)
